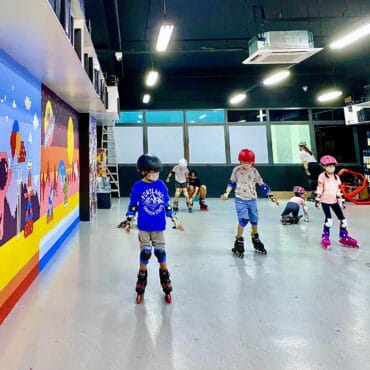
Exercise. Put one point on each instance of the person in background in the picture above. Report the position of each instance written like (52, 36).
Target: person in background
(181, 173)
(149, 198)
(329, 196)
(311, 166)
(290, 215)
(243, 181)
(197, 190)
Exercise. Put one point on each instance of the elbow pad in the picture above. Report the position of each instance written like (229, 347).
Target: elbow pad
(265, 189)
(232, 185)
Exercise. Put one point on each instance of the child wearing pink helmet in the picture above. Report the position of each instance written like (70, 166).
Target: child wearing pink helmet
(328, 194)
(291, 210)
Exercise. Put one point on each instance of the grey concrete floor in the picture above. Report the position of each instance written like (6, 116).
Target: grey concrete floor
(299, 307)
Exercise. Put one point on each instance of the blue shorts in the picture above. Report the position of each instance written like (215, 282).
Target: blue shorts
(247, 210)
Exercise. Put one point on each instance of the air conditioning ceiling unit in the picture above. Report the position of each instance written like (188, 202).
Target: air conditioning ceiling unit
(281, 47)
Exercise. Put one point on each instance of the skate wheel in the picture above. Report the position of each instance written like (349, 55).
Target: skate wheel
(139, 298)
(168, 298)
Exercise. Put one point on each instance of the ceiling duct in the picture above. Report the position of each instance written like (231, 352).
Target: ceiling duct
(281, 47)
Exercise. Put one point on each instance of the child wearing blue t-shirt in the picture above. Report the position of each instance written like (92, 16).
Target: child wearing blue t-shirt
(149, 198)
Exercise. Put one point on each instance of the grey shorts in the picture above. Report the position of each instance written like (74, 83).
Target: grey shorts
(151, 238)
(181, 185)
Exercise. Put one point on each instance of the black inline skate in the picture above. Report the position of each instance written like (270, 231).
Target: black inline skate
(142, 277)
(257, 244)
(165, 280)
(190, 207)
(175, 206)
(203, 206)
(238, 249)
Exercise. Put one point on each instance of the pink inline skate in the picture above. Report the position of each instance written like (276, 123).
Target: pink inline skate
(325, 241)
(346, 240)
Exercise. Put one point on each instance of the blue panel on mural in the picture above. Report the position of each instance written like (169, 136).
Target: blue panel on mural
(20, 112)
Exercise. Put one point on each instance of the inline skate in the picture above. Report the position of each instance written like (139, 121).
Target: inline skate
(164, 277)
(203, 206)
(346, 240)
(238, 249)
(257, 244)
(175, 206)
(142, 277)
(325, 241)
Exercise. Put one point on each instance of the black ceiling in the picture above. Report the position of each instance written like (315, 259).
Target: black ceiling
(203, 64)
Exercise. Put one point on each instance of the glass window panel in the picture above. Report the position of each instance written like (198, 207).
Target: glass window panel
(170, 116)
(169, 147)
(207, 144)
(288, 114)
(246, 115)
(128, 143)
(285, 140)
(205, 116)
(130, 117)
(336, 140)
(251, 137)
(328, 114)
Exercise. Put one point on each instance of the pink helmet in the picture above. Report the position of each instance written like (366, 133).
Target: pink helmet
(299, 190)
(246, 155)
(328, 159)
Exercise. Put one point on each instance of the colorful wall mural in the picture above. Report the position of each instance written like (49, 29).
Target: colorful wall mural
(39, 178)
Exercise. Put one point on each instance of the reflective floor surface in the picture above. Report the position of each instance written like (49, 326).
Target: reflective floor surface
(298, 307)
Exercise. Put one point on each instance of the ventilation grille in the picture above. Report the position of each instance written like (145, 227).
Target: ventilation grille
(269, 56)
(281, 47)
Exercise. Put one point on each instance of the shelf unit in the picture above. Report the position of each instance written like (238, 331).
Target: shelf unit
(31, 34)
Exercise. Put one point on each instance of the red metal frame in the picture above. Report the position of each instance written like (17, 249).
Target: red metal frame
(359, 179)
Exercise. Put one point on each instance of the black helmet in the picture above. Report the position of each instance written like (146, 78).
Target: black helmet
(148, 162)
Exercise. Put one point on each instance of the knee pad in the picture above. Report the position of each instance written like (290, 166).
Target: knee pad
(177, 194)
(343, 223)
(145, 254)
(186, 194)
(328, 222)
(243, 221)
(160, 253)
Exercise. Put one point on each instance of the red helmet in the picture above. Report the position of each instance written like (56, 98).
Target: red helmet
(328, 159)
(246, 155)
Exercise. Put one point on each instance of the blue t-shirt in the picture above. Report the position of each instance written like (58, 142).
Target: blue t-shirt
(150, 200)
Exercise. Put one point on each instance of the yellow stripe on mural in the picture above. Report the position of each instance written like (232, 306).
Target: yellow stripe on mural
(16, 253)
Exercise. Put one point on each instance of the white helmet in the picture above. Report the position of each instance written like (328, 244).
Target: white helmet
(183, 162)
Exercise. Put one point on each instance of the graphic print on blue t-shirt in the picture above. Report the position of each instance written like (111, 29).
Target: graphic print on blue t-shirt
(153, 201)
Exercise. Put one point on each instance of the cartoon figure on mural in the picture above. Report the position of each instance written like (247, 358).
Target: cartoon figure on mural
(28, 219)
(62, 173)
(50, 212)
(5, 177)
(16, 144)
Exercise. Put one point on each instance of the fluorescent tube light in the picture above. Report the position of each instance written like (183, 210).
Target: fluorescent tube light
(202, 116)
(331, 95)
(351, 37)
(164, 36)
(276, 77)
(146, 98)
(152, 78)
(238, 98)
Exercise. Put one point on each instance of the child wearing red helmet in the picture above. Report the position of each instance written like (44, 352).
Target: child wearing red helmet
(330, 197)
(243, 181)
(290, 213)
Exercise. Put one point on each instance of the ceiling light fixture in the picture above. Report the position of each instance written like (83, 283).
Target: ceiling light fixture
(151, 78)
(238, 98)
(146, 98)
(330, 95)
(165, 32)
(276, 77)
(164, 36)
(351, 37)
